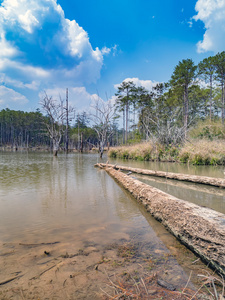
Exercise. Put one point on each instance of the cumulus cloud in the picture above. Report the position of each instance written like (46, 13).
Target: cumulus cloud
(7, 50)
(9, 98)
(148, 84)
(5, 80)
(78, 97)
(39, 43)
(211, 13)
(113, 50)
(43, 50)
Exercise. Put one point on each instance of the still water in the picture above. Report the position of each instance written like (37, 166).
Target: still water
(65, 198)
(42, 196)
(199, 194)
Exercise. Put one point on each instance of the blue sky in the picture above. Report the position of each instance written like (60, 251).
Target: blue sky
(91, 46)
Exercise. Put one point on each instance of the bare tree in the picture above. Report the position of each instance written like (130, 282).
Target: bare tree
(56, 115)
(164, 129)
(102, 114)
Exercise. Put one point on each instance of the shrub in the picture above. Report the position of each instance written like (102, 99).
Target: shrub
(184, 157)
(125, 154)
(208, 130)
(112, 153)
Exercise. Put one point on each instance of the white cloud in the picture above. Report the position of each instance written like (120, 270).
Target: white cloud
(38, 44)
(148, 84)
(5, 80)
(105, 50)
(21, 13)
(9, 98)
(28, 21)
(211, 13)
(78, 97)
(114, 50)
(7, 50)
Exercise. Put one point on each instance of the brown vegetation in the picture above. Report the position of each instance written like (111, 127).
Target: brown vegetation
(203, 152)
(195, 151)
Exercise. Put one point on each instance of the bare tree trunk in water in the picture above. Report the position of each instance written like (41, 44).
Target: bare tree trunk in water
(55, 147)
(101, 147)
(81, 143)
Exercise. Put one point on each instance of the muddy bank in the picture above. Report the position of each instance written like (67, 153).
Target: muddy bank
(126, 268)
(199, 228)
(218, 182)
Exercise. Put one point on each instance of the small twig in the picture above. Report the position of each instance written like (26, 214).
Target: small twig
(144, 286)
(136, 286)
(223, 286)
(197, 292)
(106, 293)
(214, 289)
(7, 253)
(64, 282)
(21, 292)
(40, 244)
(187, 283)
(195, 260)
(10, 279)
(35, 277)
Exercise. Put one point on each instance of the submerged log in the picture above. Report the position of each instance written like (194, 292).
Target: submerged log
(201, 229)
(218, 182)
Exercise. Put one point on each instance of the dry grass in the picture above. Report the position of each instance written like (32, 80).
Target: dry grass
(203, 152)
(138, 151)
(150, 287)
(196, 151)
(208, 129)
(147, 151)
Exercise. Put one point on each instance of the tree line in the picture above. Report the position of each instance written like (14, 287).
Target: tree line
(19, 130)
(193, 93)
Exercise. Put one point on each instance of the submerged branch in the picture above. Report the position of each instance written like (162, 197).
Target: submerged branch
(10, 279)
(40, 244)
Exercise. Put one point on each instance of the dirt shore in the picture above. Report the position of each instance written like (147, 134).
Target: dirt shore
(126, 269)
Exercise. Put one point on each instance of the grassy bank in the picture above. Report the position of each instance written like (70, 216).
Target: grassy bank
(197, 152)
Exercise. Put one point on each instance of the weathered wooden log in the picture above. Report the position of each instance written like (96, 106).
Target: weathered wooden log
(219, 182)
(201, 229)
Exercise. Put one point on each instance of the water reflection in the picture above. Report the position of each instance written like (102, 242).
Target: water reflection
(42, 196)
(211, 171)
(66, 199)
(199, 194)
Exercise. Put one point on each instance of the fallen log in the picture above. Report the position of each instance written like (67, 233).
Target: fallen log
(201, 229)
(218, 182)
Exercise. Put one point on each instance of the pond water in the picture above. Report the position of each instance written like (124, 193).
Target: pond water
(199, 194)
(211, 171)
(65, 198)
(43, 196)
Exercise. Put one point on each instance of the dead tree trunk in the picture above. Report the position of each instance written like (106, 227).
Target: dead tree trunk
(200, 229)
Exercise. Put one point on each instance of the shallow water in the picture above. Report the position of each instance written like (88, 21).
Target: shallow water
(199, 194)
(202, 195)
(47, 199)
(66, 197)
(211, 171)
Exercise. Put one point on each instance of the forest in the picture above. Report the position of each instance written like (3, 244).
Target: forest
(194, 93)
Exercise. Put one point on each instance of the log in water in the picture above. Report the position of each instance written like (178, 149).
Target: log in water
(218, 182)
(200, 229)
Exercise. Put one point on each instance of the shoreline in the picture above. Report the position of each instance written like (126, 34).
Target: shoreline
(200, 229)
(217, 182)
(196, 152)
